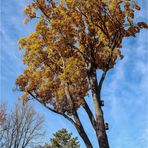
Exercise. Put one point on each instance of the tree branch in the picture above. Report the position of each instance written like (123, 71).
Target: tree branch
(101, 83)
(90, 114)
(62, 114)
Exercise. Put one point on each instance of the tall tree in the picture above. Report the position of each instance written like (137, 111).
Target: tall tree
(21, 128)
(73, 39)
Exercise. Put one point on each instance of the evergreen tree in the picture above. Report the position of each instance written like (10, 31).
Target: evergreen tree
(63, 139)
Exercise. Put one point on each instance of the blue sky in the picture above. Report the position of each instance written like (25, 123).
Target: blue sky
(125, 90)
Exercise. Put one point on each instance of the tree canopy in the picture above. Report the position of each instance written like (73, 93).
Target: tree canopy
(68, 35)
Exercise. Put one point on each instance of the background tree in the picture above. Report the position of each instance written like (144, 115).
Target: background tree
(21, 128)
(72, 40)
(63, 139)
(2, 113)
(2, 120)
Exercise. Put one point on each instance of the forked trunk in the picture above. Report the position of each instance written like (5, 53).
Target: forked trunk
(100, 125)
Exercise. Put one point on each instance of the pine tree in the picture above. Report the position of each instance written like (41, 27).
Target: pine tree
(63, 139)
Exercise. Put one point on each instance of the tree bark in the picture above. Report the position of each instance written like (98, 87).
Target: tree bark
(81, 131)
(91, 118)
(96, 89)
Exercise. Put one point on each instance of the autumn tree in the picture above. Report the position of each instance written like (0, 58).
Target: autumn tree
(62, 139)
(72, 40)
(21, 128)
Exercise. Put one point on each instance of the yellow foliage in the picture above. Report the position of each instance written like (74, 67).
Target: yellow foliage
(69, 35)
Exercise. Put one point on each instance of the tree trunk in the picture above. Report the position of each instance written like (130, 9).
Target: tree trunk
(81, 131)
(100, 126)
(78, 123)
